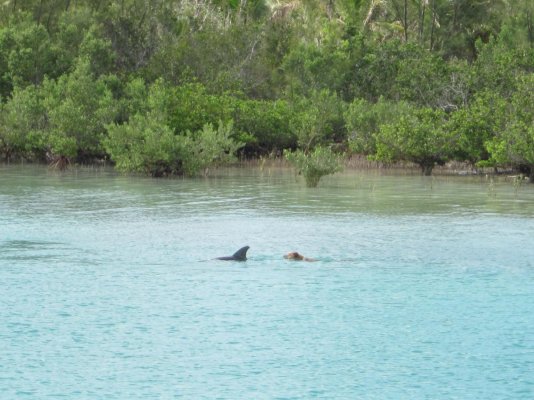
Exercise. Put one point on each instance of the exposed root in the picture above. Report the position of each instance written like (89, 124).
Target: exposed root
(59, 162)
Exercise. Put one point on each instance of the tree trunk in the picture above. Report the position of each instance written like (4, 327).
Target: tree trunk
(96, 5)
(530, 28)
(422, 9)
(406, 21)
(433, 25)
(39, 13)
(330, 9)
(426, 168)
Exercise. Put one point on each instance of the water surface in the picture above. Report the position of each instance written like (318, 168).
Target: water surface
(424, 288)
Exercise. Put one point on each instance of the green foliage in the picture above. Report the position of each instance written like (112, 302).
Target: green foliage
(133, 99)
(418, 138)
(375, 68)
(79, 108)
(252, 8)
(145, 144)
(190, 107)
(318, 119)
(97, 49)
(393, 79)
(313, 166)
(7, 43)
(515, 144)
(363, 120)
(23, 121)
(77, 36)
(309, 67)
(421, 77)
(475, 126)
(265, 125)
(496, 68)
(210, 50)
(458, 25)
(131, 26)
(209, 147)
(30, 54)
(520, 24)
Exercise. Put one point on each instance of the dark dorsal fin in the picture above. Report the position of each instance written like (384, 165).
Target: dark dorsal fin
(239, 255)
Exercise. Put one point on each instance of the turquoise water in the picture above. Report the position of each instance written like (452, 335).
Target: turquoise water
(424, 288)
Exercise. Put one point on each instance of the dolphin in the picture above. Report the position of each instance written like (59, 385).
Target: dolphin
(239, 255)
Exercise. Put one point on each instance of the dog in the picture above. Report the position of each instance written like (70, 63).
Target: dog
(297, 257)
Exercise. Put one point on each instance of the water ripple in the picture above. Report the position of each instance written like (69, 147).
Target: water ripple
(422, 289)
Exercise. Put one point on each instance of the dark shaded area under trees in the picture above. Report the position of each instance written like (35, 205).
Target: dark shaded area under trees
(174, 87)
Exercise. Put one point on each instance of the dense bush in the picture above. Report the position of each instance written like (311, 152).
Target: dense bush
(318, 119)
(149, 141)
(364, 119)
(78, 108)
(418, 137)
(152, 85)
(264, 125)
(209, 147)
(23, 124)
(477, 125)
(514, 145)
(320, 162)
(145, 144)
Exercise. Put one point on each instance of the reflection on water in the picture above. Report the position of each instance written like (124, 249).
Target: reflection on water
(424, 286)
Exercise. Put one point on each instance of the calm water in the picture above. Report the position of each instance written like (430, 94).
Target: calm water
(424, 288)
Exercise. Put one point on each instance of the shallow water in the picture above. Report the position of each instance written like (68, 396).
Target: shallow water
(424, 288)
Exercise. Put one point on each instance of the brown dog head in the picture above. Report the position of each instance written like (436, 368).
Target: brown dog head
(294, 256)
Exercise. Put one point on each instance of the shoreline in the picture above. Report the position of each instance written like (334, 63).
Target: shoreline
(359, 162)
(354, 163)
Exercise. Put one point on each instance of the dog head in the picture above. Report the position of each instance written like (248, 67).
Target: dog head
(294, 256)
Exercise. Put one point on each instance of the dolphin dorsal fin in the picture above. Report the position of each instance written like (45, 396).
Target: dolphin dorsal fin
(241, 254)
